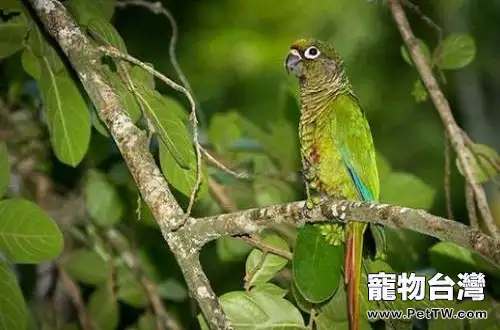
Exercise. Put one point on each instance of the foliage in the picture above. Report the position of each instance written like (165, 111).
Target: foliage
(232, 53)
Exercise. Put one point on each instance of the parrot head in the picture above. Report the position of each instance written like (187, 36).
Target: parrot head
(314, 61)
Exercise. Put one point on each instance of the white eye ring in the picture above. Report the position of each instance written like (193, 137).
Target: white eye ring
(312, 53)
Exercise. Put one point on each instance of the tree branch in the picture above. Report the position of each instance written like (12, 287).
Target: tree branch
(132, 143)
(251, 221)
(444, 110)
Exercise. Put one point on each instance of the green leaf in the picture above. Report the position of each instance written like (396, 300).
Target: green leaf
(4, 169)
(262, 271)
(12, 35)
(13, 313)
(99, 125)
(182, 179)
(103, 307)
(147, 321)
(106, 33)
(408, 190)
(457, 50)
(270, 288)
(129, 289)
(67, 115)
(404, 249)
(31, 64)
(43, 50)
(419, 92)
(300, 301)
(102, 200)
(271, 191)
(453, 259)
(27, 234)
(126, 97)
(317, 264)
(423, 47)
(489, 323)
(141, 77)
(14, 5)
(172, 131)
(260, 310)
(87, 266)
(85, 10)
(482, 168)
(224, 129)
(172, 289)
(231, 249)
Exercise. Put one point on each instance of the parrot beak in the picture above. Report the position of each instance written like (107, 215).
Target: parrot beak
(293, 63)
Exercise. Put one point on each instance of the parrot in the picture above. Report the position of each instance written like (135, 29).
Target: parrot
(336, 147)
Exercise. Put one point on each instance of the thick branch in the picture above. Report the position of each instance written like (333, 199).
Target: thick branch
(255, 220)
(444, 110)
(132, 142)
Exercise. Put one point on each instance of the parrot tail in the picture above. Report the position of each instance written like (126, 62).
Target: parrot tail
(352, 271)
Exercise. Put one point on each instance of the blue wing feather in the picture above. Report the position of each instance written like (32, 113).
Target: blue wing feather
(364, 193)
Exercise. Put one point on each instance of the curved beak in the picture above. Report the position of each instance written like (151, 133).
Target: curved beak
(293, 63)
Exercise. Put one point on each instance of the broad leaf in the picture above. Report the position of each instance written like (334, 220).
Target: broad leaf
(423, 48)
(231, 249)
(457, 50)
(172, 289)
(27, 234)
(87, 266)
(43, 50)
(12, 34)
(102, 200)
(141, 77)
(408, 190)
(224, 129)
(481, 157)
(260, 310)
(317, 264)
(170, 128)
(13, 314)
(182, 179)
(258, 271)
(147, 321)
(270, 288)
(129, 289)
(85, 10)
(301, 302)
(103, 307)
(4, 169)
(14, 5)
(31, 64)
(419, 92)
(453, 259)
(106, 33)
(126, 97)
(67, 115)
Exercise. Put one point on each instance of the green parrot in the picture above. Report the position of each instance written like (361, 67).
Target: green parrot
(338, 156)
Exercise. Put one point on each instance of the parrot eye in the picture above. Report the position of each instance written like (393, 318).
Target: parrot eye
(312, 53)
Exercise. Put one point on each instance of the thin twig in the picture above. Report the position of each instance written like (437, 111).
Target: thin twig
(256, 241)
(444, 110)
(447, 174)
(113, 52)
(425, 18)
(158, 9)
(222, 167)
(74, 293)
(471, 207)
(221, 196)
